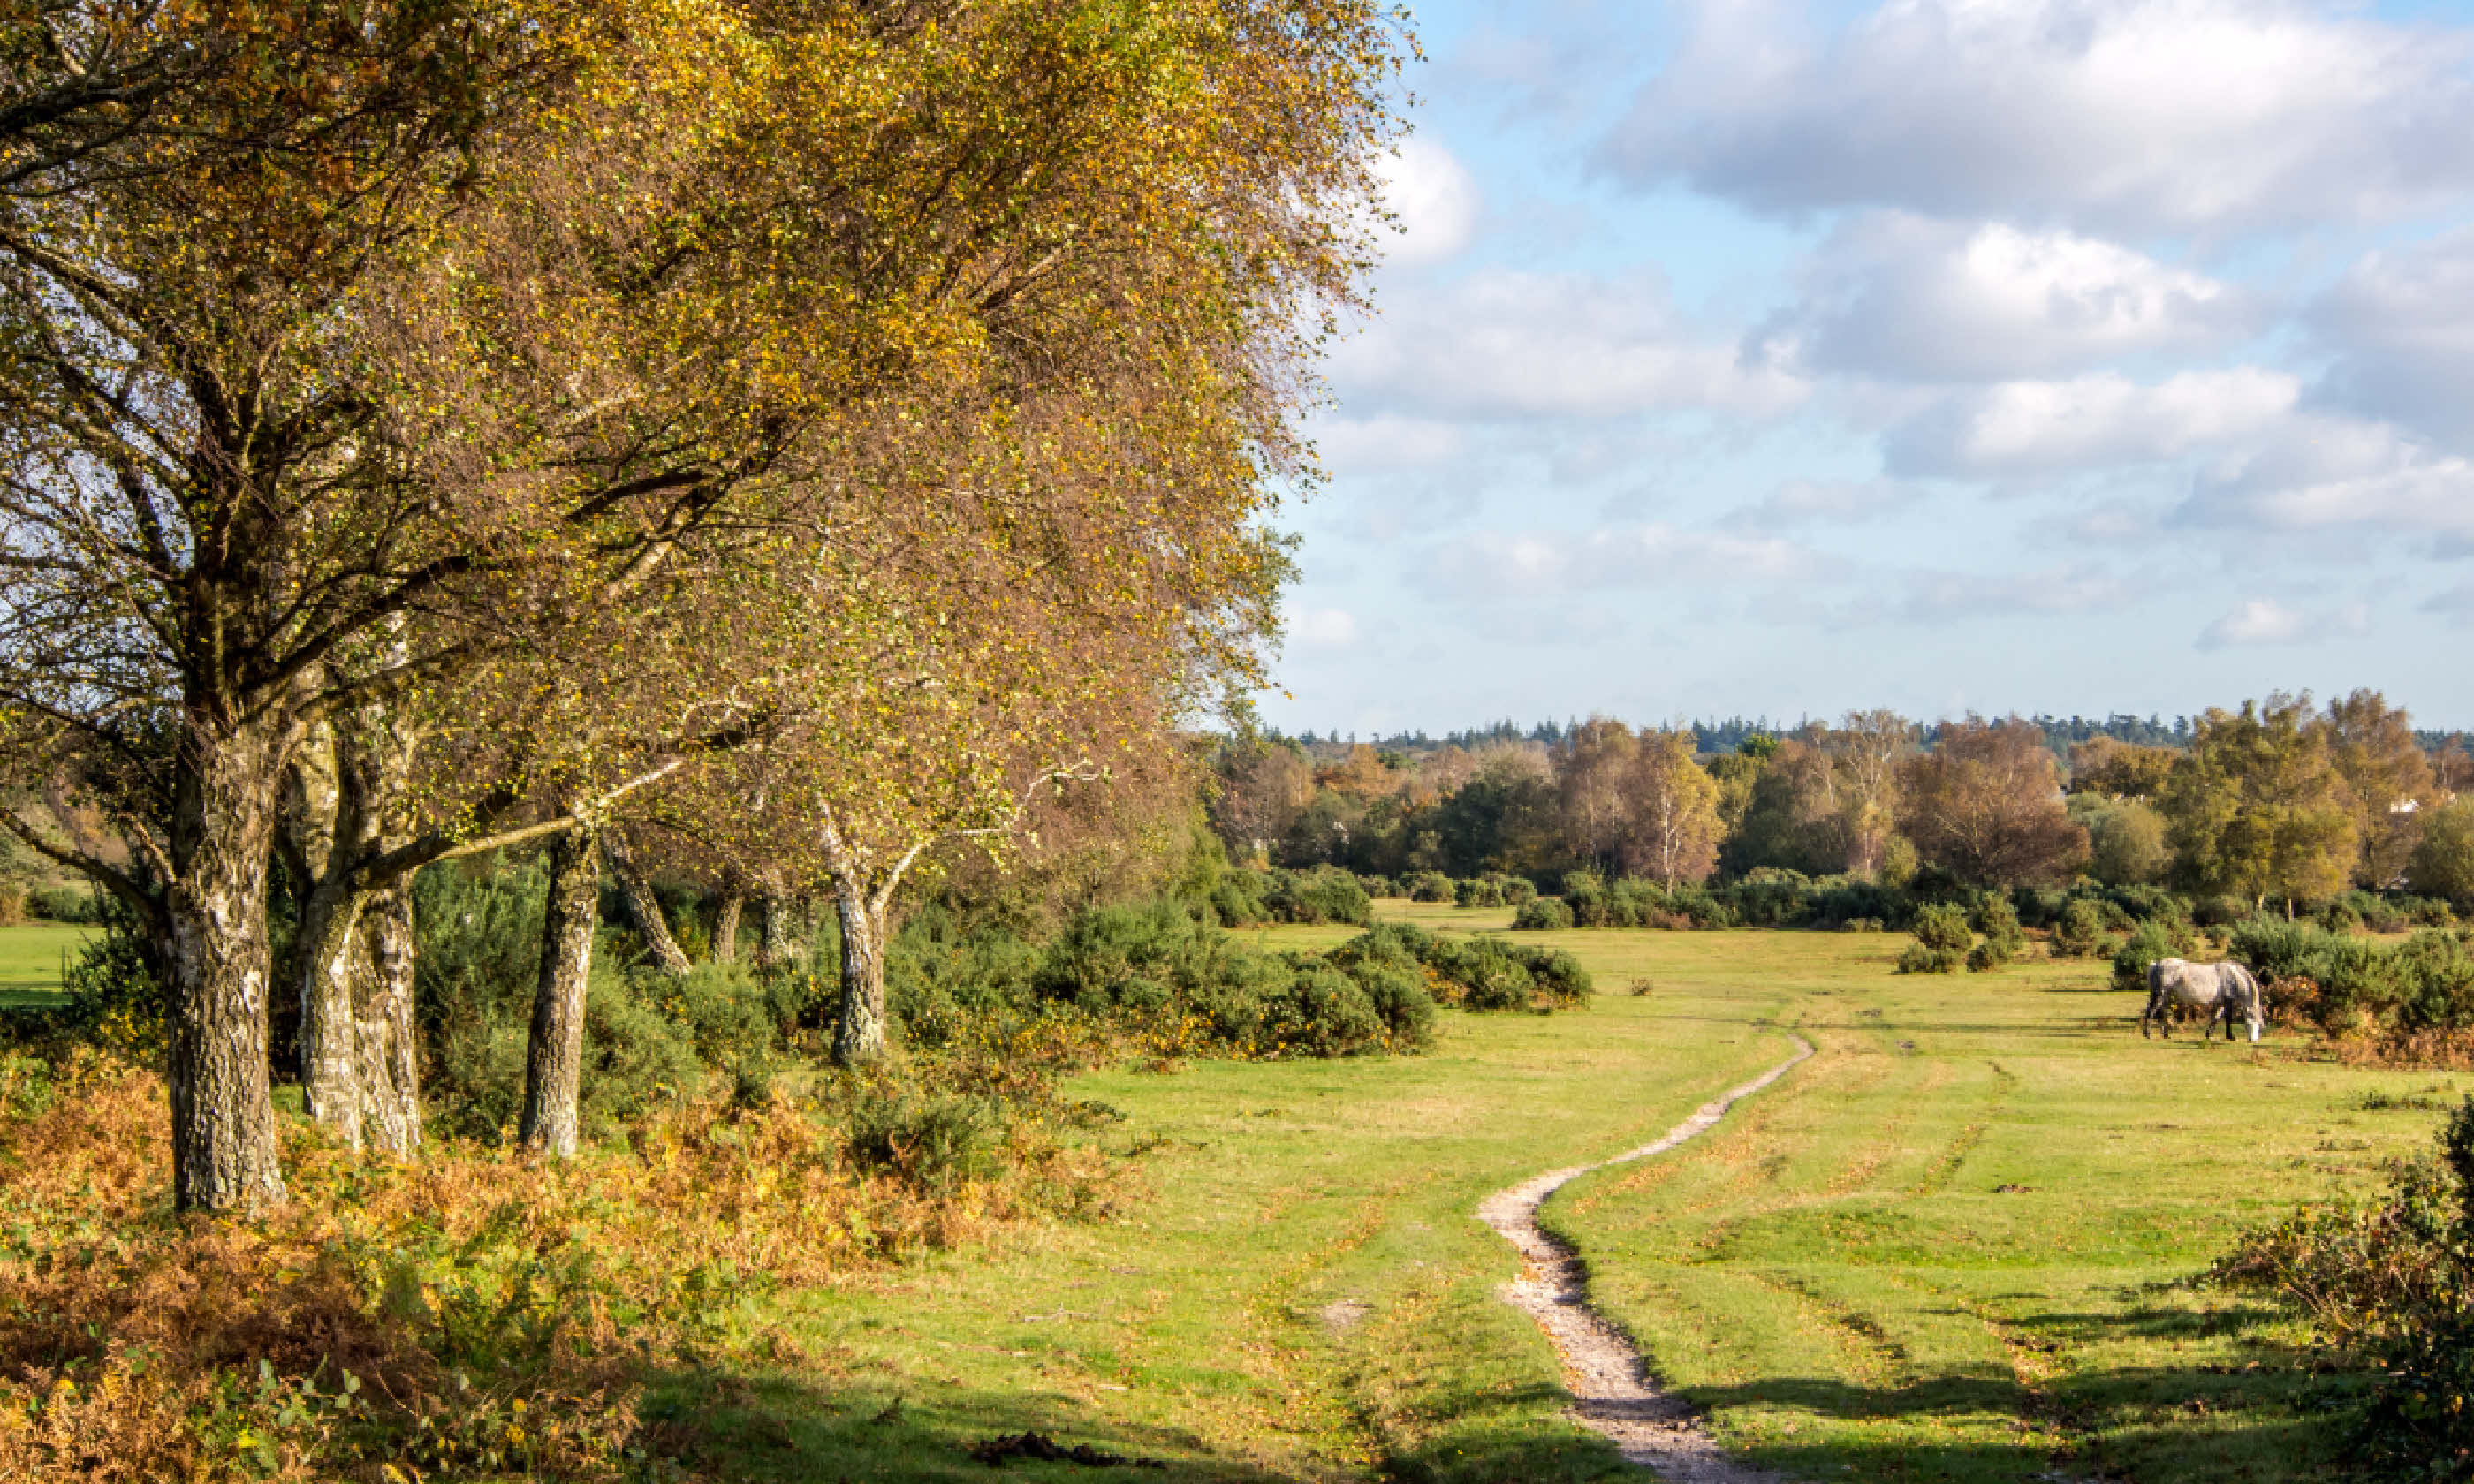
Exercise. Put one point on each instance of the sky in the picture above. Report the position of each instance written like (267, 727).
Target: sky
(1764, 357)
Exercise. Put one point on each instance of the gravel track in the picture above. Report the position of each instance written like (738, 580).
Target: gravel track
(1612, 1392)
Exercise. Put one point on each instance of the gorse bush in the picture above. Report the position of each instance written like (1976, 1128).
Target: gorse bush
(1942, 941)
(2384, 1284)
(1542, 915)
(2004, 940)
(2080, 930)
(1480, 973)
(1430, 886)
(2415, 998)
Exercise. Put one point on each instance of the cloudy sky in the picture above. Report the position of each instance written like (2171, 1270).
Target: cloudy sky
(1765, 356)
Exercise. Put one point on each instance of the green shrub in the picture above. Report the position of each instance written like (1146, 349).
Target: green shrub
(932, 1141)
(1518, 890)
(2080, 931)
(1495, 979)
(1542, 914)
(1429, 886)
(67, 903)
(1943, 927)
(1920, 958)
(2004, 940)
(1398, 994)
(2147, 942)
(2383, 1286)
(1323, 895)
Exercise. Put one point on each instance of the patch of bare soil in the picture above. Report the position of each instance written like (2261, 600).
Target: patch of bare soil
(1612, 1392)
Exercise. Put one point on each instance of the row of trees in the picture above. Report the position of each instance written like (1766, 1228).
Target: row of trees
(768, 440)
(2278, 800)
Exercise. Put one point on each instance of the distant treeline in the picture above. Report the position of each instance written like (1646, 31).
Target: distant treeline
(2061, 733)
(2281, 801)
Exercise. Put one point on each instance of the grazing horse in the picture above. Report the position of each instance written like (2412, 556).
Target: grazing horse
(2220, 989)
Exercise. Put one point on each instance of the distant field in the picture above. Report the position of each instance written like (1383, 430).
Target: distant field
(1298, 1290)
(30, 961)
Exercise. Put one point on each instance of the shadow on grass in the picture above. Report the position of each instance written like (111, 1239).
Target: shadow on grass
(768, 1427)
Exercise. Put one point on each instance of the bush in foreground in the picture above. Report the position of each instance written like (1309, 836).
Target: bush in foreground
(2384, 1286)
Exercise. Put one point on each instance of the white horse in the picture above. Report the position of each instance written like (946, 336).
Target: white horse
(2219, 989)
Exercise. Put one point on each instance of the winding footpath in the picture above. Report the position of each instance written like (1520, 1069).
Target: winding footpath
(1612, 1390)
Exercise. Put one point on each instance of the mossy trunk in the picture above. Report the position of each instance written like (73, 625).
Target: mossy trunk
(725, 919)
(643, 907)
(858, 1030)
(213, 946)
(554, 1061)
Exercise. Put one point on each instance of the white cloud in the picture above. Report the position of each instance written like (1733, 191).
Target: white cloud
(1323, 628)
(2322, 474)
(2402, 324)
(2036, 427)
(1492, 563)
(2135, 115)
(1900, 296)
(1434, 200)
(2269, 621)
(1517, 344)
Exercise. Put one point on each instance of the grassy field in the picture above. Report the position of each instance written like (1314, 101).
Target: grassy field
(30, 961)
(1939, 1249)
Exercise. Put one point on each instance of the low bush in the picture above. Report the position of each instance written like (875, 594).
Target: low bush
(1325, 894)
(2004, 940)
(2383, 1284)
(2149, 942)
(1942, 943)
(66, 903)
(1919, 958)
(1542, 915)
(1485, 973)
(2080, 930)
(2414, 999)
(1429, 886)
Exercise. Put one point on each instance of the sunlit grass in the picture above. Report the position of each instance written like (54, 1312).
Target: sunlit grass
(1301, 1291)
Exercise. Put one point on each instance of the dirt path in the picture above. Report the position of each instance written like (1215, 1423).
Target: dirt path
(1612, 1390)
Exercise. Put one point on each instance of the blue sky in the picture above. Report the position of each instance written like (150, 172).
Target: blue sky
(1768, 357)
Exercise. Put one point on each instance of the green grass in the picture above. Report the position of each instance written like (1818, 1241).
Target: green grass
(30, 961)
(1298, 1290)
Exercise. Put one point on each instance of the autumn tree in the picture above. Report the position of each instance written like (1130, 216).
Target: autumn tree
(1595, 778)
(2442, 864)
(495, 313)
(1985, 804)
(2371, 745)
(1673, 809)
(1260, 786)
(2259, 808)
(2120, 770)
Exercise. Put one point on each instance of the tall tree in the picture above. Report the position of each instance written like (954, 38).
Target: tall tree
(1596, 780)
(2372, 747)
(1985, 804)
(1673, 806)
(434, 338)
(2258, 809)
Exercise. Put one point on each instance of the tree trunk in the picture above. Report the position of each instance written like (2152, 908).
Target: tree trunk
(858, 1032)
(644, 908)
(725, 920)
(387, 1047)
(779, 946)
(353, 962)
(554, 1066)
(215, 951)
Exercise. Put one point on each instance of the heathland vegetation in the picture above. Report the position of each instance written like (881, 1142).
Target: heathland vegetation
(617, 621)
